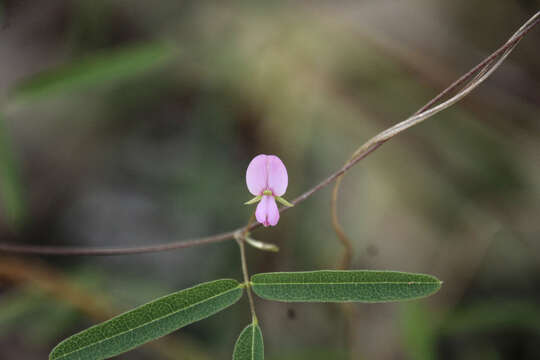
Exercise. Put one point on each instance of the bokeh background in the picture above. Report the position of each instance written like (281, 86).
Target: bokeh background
(132, 123)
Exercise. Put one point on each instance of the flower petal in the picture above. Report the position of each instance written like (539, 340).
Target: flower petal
(277, 175)
(267, 212)
(262, 211)
(257, 175)
(273, 211)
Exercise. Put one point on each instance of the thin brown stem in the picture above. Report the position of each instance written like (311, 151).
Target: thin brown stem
(470, 80)
(478, 74)
(240, 241)
(93, 251)
(343, 238)
(246, 229)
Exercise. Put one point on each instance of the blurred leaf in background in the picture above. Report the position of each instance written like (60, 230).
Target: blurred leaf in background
(419, 331)
(41, 318)
(101, 69)
(11, 190)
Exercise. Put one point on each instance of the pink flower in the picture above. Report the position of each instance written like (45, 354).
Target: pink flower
(267, 179)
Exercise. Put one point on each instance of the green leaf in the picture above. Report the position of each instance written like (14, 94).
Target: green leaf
(150, 321)
(342, 286)
(27, 310)
(491, 315)
(249, 345)
(100, 68)
(11, 194)
(419, 331)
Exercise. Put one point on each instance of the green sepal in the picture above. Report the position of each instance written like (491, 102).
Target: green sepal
(256, 199)
(284, 202)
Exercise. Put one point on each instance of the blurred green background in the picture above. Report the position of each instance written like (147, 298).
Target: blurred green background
(132, 123)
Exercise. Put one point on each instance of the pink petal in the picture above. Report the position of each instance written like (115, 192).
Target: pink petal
(267, 212)
(273, 211)
(277, 176)
(256, 175)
